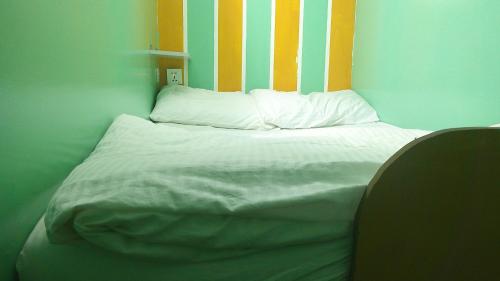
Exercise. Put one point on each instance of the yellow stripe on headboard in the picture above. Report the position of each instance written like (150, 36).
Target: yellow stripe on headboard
(286, 44)
(230, 37)
(170, 27)
(341, 43)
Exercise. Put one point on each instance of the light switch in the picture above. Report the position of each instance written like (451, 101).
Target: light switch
(174, 76)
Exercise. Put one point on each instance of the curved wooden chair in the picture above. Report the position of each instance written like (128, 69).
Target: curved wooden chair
(432, 212)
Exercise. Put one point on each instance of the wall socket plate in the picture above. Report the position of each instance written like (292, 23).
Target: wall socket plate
(174, 76)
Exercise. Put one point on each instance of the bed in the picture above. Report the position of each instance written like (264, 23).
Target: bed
(179, 203)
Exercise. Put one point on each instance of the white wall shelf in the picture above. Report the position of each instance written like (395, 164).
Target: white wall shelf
(169, 54)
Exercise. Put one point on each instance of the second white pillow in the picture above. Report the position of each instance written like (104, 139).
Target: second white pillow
(294, 111)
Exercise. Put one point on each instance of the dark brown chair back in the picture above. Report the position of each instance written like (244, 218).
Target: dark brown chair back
(432, 212)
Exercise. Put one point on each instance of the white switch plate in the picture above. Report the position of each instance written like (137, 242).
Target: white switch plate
(174, 76)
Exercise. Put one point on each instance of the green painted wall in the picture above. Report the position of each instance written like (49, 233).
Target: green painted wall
(201, 43)
(429, 64)
(313, 45)
(67, 68)
(258, 44)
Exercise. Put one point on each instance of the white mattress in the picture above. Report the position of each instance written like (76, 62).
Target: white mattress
(303, 185)
(141, 170)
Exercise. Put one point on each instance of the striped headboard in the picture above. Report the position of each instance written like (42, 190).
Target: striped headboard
(286, 45)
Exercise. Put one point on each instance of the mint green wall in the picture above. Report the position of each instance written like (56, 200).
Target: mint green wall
(67, 68)
(201, 43)
(429, 64)
(313, 45)
(258, 44)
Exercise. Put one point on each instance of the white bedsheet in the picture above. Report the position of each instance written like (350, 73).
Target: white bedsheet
(170, 191)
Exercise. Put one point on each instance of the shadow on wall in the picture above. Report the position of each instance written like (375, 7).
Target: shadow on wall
(67, 69)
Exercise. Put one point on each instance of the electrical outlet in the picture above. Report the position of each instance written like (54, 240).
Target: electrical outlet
(174, 76)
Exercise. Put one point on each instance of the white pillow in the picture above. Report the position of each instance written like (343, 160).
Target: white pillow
(184, 105)
(293, 111)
